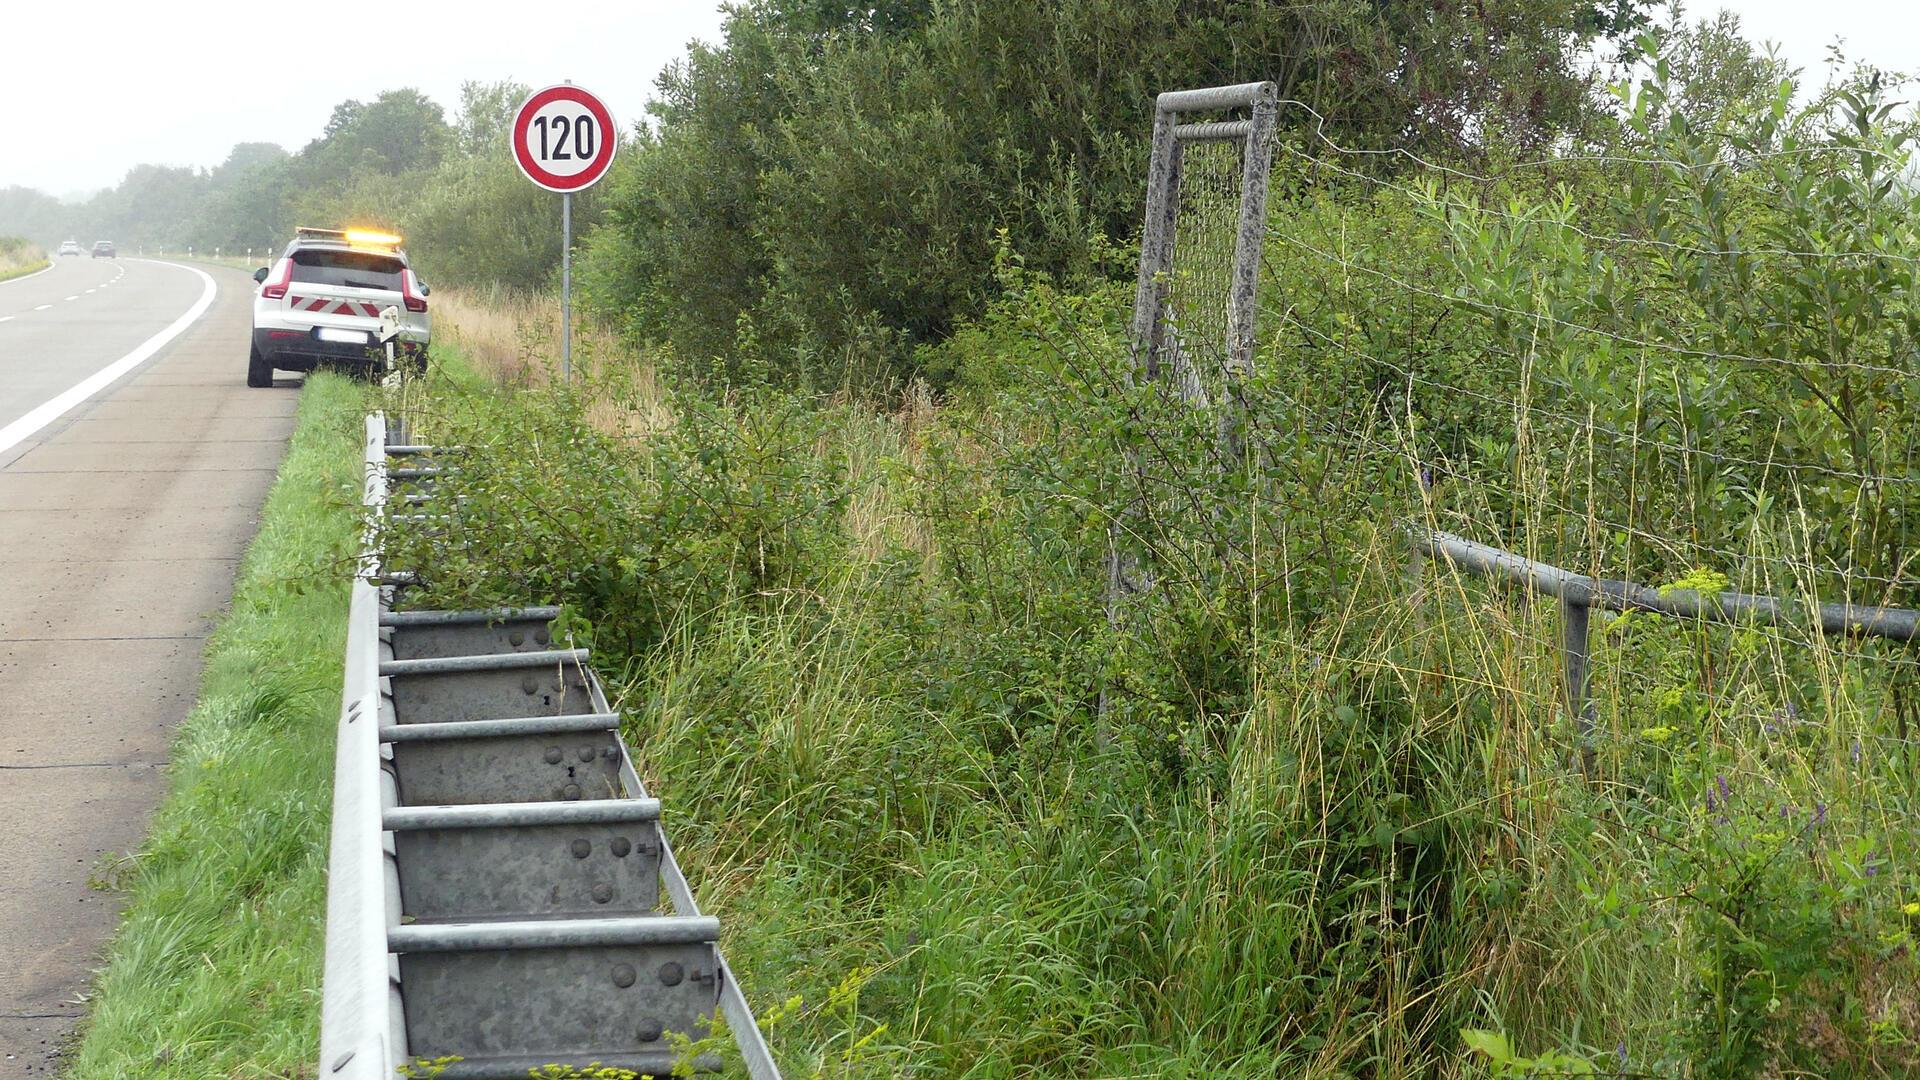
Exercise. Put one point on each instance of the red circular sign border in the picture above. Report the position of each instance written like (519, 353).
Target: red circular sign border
(523, 156)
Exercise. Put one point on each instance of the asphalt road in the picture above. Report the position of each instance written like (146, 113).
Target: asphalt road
(122, 520)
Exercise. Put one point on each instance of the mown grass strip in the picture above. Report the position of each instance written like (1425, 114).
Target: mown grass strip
(216, 968)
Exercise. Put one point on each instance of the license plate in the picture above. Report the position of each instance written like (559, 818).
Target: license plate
(343, 337)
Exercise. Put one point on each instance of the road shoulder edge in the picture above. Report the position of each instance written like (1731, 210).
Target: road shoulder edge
(217, 956)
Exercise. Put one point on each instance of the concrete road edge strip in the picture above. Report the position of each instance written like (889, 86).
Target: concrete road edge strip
(46, 413)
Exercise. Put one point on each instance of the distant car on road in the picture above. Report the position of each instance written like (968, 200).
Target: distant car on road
(70, 247)
(103, 249)
(321, 303)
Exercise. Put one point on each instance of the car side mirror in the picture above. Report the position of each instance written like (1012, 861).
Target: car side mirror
(260, 274)
(424, 291)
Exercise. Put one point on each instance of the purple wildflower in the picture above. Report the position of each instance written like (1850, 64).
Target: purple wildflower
(1721, 783)
(1857, 753)
(1819, 814)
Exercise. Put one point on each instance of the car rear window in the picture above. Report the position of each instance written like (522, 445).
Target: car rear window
(354, 269)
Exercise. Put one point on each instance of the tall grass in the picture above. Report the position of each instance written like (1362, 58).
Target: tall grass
(512, 337)
(1334, 820)
(19, 257)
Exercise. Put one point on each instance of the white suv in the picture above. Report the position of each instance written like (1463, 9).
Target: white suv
(322, 302)
(70, 247)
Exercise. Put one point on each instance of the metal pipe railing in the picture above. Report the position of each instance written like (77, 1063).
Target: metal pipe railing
(1579, 594)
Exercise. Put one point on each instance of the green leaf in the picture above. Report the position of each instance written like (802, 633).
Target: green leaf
(1491, 1043)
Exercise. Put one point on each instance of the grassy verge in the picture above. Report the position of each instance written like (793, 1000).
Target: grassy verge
(22, 271)
(1326, 834)
(19, 258)
(216, 967)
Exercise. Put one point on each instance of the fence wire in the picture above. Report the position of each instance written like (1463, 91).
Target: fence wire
(1576, 485)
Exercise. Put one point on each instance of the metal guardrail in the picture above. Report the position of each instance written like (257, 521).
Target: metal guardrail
(1579, 594)
(362, 1033)
(496, 864)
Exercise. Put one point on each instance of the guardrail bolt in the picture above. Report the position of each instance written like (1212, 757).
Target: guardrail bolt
(650, 1030)
(570, 793)
(623, 975)
(530, 685)
(582, 848)
(553, 755)
(671, 973)
(603, 893)
(620, 845)
(540, 636)
(516, 637)
(586, 754)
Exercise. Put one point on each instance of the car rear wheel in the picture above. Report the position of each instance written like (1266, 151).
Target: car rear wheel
(259, 372)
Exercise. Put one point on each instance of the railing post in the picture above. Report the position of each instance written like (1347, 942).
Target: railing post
(1574, 642)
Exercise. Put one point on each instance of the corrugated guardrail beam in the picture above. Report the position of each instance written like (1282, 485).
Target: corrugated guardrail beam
(496, 863)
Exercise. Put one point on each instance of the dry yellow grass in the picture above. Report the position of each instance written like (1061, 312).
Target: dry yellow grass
(513, 340)
(18, 257)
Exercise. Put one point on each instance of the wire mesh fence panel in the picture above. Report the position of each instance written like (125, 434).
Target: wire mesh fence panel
(1198, 337)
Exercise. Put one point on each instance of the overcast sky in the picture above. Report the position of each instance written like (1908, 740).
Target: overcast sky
(1884, 33)
(96, 88)
(93, 89)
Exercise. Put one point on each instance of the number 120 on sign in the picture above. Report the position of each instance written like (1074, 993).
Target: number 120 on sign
(563, 138)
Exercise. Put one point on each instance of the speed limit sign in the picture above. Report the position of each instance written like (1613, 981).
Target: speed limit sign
(563, 138)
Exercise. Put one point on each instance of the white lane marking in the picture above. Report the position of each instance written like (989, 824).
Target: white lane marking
(6, 318)
(50, 265)
(75, 297)
(42, 415)
(96, 288)
(43, 307)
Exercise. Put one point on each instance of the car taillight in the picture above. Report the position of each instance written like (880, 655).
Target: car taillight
(277, 290)
(414, 303)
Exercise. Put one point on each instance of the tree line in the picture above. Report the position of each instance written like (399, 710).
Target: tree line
(821, 195)
(395, 162)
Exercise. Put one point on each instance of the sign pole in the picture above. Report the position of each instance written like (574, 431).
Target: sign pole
(563, 139)
(566, 286)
